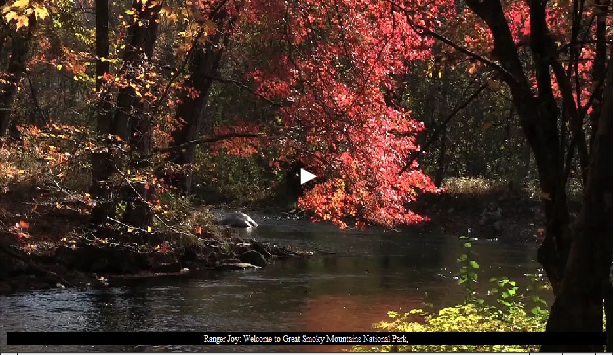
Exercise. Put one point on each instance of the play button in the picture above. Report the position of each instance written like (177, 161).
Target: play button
(306, 176)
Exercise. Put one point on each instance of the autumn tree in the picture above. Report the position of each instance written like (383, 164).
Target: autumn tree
(334, 63)
(335, 59)
(18, 25)
(559, 98)
(131, 122)
(203, 62)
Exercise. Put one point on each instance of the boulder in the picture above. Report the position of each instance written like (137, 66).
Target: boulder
(238, 220)
(253, 257)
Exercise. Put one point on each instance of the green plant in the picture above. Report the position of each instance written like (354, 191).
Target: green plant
(468, 276)
(504, 310)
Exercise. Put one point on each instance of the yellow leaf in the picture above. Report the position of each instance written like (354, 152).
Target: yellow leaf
(9, 16)
(59, 66)
(148, 229)
(22, 21)
(41, 13)
(21, 4)
(166, 10)
(130, 229)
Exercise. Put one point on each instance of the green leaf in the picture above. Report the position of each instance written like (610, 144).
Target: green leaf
(462, 258)
(467, 245)
(474, 264)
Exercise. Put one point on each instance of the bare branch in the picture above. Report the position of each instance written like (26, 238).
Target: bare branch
(243, 86)
(213, 139)
(441, 127)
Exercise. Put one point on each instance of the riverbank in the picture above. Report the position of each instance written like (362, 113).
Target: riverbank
(45, 244)
(493, 215)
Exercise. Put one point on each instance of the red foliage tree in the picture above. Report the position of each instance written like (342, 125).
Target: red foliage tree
(334, 63)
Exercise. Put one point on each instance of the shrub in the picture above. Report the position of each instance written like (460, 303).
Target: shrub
(505, 310)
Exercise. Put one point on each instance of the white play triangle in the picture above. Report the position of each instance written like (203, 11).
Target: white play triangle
(306, 176)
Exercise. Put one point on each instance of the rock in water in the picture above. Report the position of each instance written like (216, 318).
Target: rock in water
(236, 266)
(253, 257)
(238, 220)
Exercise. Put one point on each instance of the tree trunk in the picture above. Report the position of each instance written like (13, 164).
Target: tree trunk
(132, 122)
(20, 54)
(579, 303)
(204, 64)
(599, 65)
(539, 120)
(440, 173)
(102, 168)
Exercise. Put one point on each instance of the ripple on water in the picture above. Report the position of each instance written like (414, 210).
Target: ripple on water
(372, 272)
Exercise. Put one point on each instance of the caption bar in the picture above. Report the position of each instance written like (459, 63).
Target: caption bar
(298, 338)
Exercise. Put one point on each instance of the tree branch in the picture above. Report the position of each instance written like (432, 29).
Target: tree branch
(441, 127)
(243, 86)
(423, 30)
(213, 139)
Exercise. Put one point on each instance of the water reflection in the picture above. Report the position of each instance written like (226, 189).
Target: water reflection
(371, 273)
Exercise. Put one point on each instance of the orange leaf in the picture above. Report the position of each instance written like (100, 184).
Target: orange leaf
(24, 224)
(198, 230)
(23, 235)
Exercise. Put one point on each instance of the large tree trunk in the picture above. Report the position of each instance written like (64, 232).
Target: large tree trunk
(132, 121)
(19, 56)
(579, 303)
(539, 120)
(204, 64)
(577, 267)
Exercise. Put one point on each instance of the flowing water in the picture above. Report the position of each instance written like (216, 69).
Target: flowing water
(370, 273)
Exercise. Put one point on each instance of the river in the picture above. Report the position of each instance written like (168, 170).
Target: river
(371, 272)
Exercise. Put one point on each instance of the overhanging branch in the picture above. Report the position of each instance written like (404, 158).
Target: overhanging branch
(423, 30)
